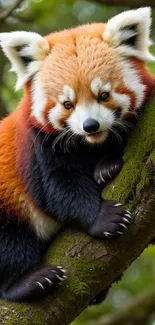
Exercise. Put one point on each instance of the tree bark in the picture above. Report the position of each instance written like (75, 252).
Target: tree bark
(92, 265)
(128, 3)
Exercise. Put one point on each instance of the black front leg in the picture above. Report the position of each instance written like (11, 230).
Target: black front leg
(75, 201)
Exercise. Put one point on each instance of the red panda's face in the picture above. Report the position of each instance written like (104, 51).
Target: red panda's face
(90, 87)
(88, 79)
(85, 82)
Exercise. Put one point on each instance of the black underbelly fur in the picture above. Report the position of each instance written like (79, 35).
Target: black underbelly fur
(67, 186)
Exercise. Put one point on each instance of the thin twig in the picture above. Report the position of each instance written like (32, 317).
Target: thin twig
(6, 13)
(23, 19)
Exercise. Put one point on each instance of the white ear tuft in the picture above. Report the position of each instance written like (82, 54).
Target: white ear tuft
(130, 31)
(26, 52)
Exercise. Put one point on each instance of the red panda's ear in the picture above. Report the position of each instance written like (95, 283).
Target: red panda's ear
(26, 52)
(129, 32)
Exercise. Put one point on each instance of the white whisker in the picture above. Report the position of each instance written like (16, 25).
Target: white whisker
(117, 135)
(60, 137)
(46, 137)
(122, 125)
(69, 140)
(29, 129)
(39, 133)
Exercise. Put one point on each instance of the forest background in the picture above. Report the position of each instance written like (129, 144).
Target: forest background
(45, 16)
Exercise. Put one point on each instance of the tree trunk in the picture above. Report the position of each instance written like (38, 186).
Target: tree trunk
(92, 265)
(128, 3)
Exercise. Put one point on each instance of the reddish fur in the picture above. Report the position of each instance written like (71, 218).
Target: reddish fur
(11, 139)
(14, 151)
(14, 129)
(147, 77)
(78, 45)
(95, 30)
(49, 128)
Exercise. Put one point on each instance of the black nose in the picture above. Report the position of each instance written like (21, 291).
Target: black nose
(91, 125)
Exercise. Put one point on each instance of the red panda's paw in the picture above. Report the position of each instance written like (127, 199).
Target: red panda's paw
(113, 220)
(36, 285)
(107, 170)
(45, 279)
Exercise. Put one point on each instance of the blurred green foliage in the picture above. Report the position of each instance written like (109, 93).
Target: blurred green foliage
(45, 16)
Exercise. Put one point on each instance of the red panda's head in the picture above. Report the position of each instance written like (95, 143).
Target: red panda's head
(87, 79)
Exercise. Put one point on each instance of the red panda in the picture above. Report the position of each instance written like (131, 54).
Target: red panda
(60, 147)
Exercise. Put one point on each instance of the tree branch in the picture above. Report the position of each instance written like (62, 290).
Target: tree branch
(127, 3)
(92, 265)
(135, 312)
(24, 19)
(6, 13)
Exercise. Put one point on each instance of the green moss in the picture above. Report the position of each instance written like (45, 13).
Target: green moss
(58, 247)
(15, 313)
(153, 158)
(151, 65)
(135, 175)
(144, 179)
(61, 245)
(15, 319)
(79, 269)
(78, 284)
(38, 319)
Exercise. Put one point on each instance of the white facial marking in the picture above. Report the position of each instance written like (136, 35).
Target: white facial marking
(95, 111)
(38, 101)
(96, 85)
(121, 100)
(54, 114)
(62, 98)
(107, 87)
(132, 81)
(68, 94)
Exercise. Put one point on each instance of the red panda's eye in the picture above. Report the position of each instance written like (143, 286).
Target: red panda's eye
(68, 105)
(104, 96)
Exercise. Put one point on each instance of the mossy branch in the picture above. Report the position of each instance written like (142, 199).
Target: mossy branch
(92, 265)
